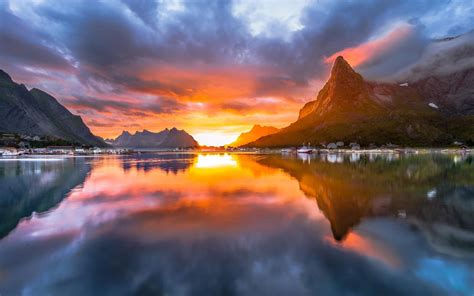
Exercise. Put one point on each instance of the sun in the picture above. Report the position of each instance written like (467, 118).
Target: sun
(215, 138)
(215, 161)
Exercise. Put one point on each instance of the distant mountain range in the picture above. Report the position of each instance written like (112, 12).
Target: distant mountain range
(434, 110)
(37, 113)
(255, 133)
(167, 138)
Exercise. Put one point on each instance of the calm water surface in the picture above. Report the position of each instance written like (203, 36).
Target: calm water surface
(226, 224)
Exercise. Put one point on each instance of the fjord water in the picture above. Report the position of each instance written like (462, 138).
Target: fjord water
(228, 224)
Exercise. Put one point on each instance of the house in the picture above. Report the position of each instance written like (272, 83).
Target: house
(40, 150)
(96, 150)
(9, 151)
(80, 151)
(61, 149)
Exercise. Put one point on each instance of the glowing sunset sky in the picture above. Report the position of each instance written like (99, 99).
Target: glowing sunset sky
(213, 68)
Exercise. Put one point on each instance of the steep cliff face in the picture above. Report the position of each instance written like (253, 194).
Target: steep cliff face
(255, 133)
(344, 95)
(452, 93)
(167, 138)
(35, 112)
(350, 109)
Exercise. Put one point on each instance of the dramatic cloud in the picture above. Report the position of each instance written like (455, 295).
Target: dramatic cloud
(197, 59)
(441, 57)
(21, 45)
(383, 56)
(157, 106)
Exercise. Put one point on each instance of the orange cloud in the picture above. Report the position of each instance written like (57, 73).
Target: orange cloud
(202, 83)
(373, 49)
(210, 102)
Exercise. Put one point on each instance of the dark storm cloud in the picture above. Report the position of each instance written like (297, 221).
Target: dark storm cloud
(443, 57)
(278, 85)
(154, 85)
(104, 35)
(20, 45)
(158, 105)
(330, 29)
(397, 57)
(113, 41)
(100, 35)
(146, 10)
(98, 104)
(113, 46)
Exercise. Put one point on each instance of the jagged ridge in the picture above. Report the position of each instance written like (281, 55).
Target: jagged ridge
(35, 112)
(255, 133)
(350, 109)
(167, 138)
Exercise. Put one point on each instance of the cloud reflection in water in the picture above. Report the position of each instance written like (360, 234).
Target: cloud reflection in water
(246, 224)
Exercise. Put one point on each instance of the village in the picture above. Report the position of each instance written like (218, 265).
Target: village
(61, 150)
(9, 151)
(17, 145)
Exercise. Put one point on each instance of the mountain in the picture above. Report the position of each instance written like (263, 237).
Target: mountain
(444, 74)
(37, 113)
(255, 133)
(167, 138)
(351, 109)
(452, 93)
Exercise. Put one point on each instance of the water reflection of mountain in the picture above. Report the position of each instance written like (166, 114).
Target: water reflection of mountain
(173, 162)
(35, 187)
(434, 192)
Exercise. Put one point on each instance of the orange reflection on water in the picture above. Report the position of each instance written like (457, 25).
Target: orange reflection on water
(217, 192)
(214, 173)
(367, 247)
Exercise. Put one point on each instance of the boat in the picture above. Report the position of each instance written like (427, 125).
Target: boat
(305, 149)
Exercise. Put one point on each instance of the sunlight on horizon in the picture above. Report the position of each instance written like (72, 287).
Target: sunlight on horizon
(215, 138)
(215, 161)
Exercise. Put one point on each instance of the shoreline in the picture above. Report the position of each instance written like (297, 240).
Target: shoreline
(403, 151)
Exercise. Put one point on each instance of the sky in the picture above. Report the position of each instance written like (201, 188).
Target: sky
(213, 68)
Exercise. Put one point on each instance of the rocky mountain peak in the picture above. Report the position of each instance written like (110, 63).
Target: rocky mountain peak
(256, 127)
(343, 76)
(255, 133)
(344, 92)
(341, 67)
(5, 78)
